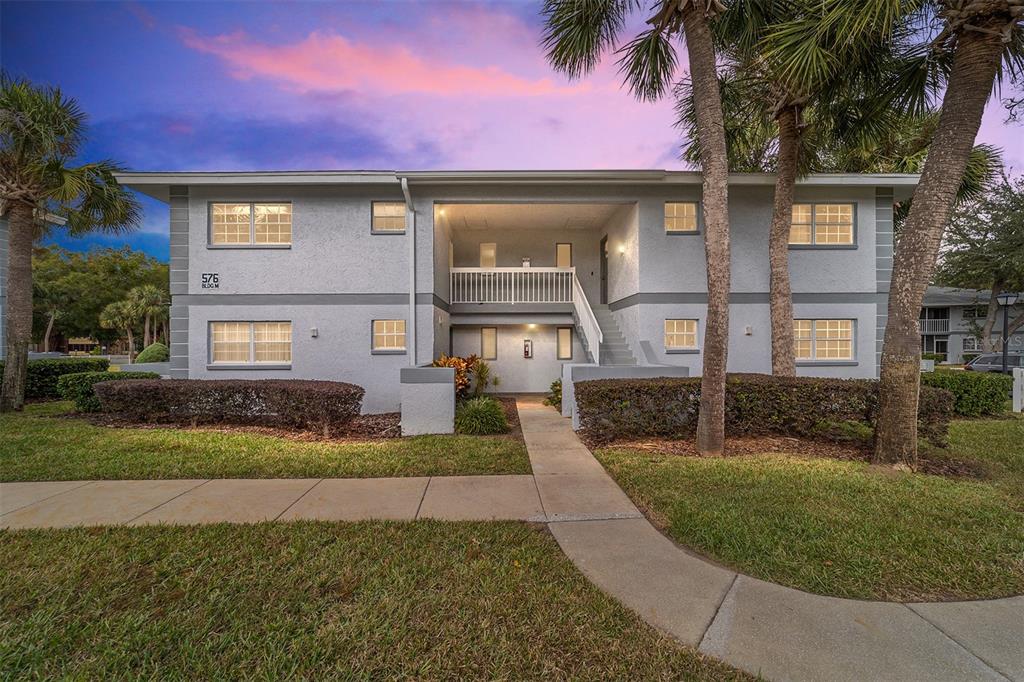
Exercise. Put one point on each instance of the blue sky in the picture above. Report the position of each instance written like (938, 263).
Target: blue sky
(315, 85)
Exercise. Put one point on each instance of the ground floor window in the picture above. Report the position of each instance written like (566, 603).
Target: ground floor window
(971, 344)
(489, 343)
(251, 342)
(680, 334)
(388, 336)
(565, 343)
(823, 339)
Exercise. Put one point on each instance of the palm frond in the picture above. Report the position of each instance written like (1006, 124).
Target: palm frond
(578, 32)
(648, 64)
(90, 198)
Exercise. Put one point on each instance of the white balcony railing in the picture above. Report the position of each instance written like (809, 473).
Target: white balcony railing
(512, 285)
(934, 326)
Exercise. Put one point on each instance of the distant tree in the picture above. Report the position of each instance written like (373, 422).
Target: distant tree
(122, 316)
(53, 291)
(149, 301)
(41, 131)
(984, 249)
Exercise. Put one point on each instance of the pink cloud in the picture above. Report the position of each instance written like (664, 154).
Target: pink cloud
(327, 61)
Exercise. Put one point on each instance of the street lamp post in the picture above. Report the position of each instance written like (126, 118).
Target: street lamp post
(1006, 300)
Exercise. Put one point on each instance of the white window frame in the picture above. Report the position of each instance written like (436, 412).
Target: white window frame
(681, 349)
(386, 350)
(696, 217)
(252, 243)
(814, 243)
(814, 359)
(559, 355)
(975, 341)
(483, 344)
(373, 216)
(251, 362)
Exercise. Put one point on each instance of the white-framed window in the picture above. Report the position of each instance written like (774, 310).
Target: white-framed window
(489, 343)
(680, 334)
(975, 312)
(387, 217)
(971, 344)
(251, 343)
(821, 224)
(680, 217)
(823, 339)
(388, 336)
(488, 255)
(565, 343)
(563, 255)
(251, 224)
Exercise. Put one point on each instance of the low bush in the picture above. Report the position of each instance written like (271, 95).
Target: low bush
(463, 371)
(154, 352)
(79, 386)
(295, 403)
(936, 357)
(480, 417)
(554, 398)
(974, 393)
(755, 404)
(41, 383)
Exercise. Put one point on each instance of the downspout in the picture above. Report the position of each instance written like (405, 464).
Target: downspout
(410, 229)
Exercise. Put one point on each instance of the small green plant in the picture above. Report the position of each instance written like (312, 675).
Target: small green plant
(482, 377)
(937, 357)
(154, 352)
(79, 386)
(554, 398)
(480, 416)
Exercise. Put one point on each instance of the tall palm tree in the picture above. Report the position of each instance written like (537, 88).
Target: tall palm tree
(121, 316)
(149, 301)
(961, 48)
(40, 132)
(577, 34)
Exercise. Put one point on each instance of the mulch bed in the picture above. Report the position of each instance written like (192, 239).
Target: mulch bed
(511, 414)
(852, 451)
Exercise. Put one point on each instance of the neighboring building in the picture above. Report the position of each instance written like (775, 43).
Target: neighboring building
(951, 318)
(353, 275)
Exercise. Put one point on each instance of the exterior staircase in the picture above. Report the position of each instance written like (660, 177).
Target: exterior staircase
(614, 350)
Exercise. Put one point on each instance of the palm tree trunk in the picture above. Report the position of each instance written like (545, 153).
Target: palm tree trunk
(131, 344)
(21, 232)
(145, 331)
(49, 329)
(715, 199)
(781, 295)
(974, 69)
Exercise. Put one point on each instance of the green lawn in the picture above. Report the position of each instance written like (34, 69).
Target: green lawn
(425, 600)
(41, 445)
(845, 528)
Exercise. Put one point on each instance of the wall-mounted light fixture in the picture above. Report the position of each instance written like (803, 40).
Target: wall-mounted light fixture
(314, 332)
(531, 326)
(622, 248)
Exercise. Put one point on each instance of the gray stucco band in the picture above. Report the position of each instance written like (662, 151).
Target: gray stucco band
(427, 375)
(700, 298)
(292, 299)
(432, 299)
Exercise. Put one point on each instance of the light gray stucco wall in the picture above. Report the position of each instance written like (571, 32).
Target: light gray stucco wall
(3, 287)
(518, 374)
(180, 277)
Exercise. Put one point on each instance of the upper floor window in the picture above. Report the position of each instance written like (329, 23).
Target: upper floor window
(251, 343)
(975, 312)
(388, 336)
(251, 224)
(823, 339)
(388, 217)
(680, 334)
(821, 224)
(680, 216)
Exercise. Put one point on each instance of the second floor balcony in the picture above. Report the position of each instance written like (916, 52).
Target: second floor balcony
(513, 285)
(934, 326)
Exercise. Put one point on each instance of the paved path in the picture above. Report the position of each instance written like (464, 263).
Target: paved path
(777, 632)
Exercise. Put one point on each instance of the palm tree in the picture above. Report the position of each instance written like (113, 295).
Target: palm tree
(577, 34)
(121, 316)
(965, 46)
(148, 301)
(40, 132)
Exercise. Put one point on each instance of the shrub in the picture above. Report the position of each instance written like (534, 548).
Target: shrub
(937, 357)
(43, 374)
(480, 416)
(154, 352)
(322, 405)
(78, 386)
(755, 404)
(482, 377)
(554, 398)
(974, 393)
(463, 367)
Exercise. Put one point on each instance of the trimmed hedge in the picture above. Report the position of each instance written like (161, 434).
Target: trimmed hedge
(154, 352)
(41, 383)
(320, 405)
(755, 404)
(480, 417)
(974, 393)
(79, 386)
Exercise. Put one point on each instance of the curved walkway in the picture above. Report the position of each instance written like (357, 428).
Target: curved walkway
(776, 632)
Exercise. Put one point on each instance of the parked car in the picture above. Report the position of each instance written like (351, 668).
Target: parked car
(993, 362)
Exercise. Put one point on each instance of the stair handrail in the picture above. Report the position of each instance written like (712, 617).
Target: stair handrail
(587, 320)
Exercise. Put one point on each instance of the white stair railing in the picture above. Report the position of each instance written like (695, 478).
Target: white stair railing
(587, 321)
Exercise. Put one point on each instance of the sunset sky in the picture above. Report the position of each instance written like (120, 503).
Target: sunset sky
(384, 85)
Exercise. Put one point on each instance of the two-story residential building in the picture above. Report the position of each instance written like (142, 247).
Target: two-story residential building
(951, 319)
(352, 276)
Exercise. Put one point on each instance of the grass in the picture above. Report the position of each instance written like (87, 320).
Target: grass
(424, 600)
(41, 445)
(846, 528)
